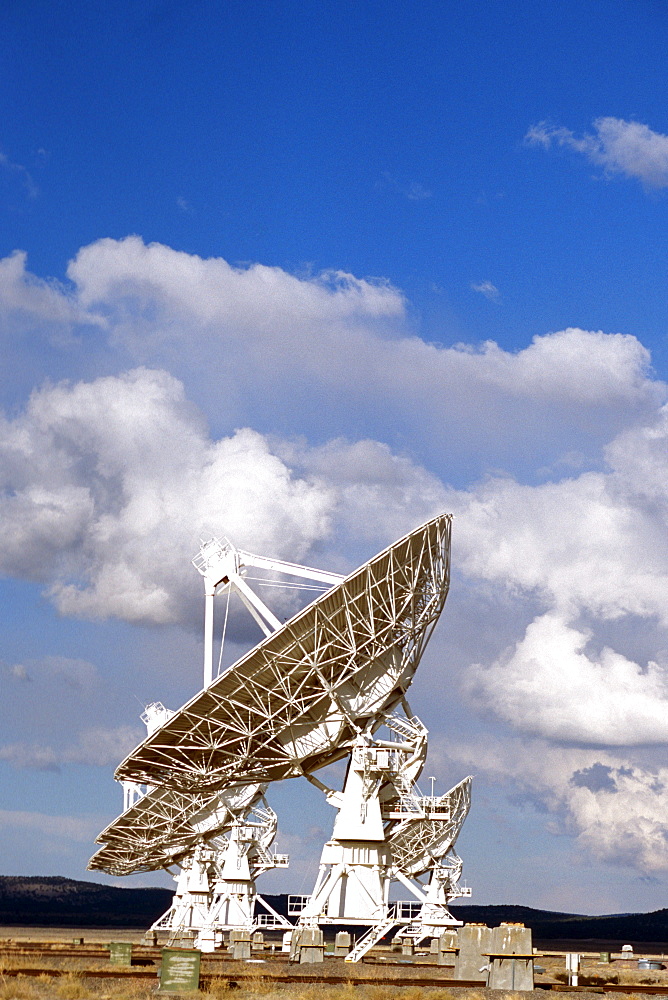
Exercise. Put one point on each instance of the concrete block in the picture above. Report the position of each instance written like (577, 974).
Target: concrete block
(307, 945)
(241, 945)
(510, 962)
(512, 939)
(342, 944)
(510, 973)
(472, 941)
(311, 955)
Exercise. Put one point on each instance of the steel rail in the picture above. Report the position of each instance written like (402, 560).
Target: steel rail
(235, 977)
(422, 981)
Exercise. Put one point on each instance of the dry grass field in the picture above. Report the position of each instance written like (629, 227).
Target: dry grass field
(229, 980)
(76, 987)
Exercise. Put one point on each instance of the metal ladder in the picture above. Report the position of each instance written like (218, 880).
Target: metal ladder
(372, 937)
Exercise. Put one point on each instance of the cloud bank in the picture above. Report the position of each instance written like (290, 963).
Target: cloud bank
(615, 811)
(107, 484)
(255, 346)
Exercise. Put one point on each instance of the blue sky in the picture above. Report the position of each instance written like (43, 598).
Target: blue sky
(306, 274)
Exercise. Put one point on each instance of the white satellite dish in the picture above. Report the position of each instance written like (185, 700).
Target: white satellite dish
(415, 843)
(298, 700)
(163, 827)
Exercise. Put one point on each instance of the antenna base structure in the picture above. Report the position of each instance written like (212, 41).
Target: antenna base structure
(216, 885)
(353, 883)
(386, 831)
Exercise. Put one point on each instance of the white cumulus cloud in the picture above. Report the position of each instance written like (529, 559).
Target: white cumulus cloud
(108, 486)
(588, 543)
(150, 296)
(257, 346)
(549, 685)
(629, 148)
(26, 300)
(585, 557)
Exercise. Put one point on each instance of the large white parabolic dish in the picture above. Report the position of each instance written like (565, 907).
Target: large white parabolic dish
(164, 826)
(296, 700)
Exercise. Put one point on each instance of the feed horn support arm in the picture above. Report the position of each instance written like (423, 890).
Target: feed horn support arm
(291, 569)
(221, 563)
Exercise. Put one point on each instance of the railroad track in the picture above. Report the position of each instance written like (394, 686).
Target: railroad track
(249, 977)
(238, 978)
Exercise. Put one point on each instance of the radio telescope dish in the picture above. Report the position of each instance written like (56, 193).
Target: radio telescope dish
(164, 826)
(416, 843)
(297, 701)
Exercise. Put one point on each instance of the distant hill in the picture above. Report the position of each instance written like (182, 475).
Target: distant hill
(35, 901)
(62, 902)
(621, 928)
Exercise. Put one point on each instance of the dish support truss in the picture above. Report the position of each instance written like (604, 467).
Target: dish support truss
(162, 828)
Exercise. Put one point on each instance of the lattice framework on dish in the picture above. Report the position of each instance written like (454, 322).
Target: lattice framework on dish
(294, 702)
